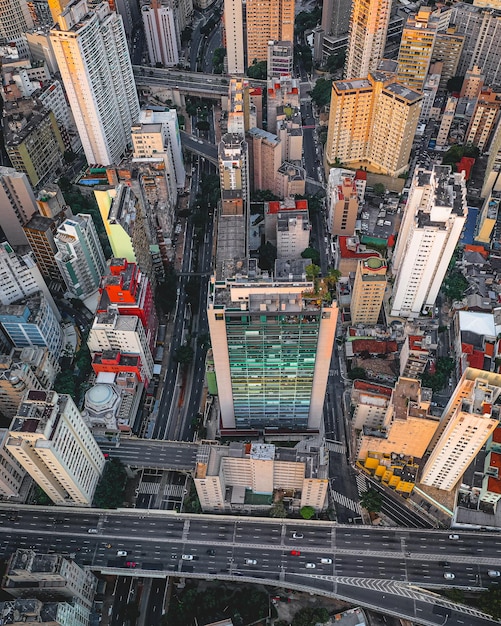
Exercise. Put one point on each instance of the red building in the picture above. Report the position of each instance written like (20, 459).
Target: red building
(129, 291)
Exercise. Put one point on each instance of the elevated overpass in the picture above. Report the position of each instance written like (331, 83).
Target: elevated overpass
(199, 146)
(396, 570)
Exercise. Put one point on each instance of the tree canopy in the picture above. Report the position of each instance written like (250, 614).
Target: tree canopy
(321, 93)
(372, 500)
(110, 491)
(311, 253)
(258, 70)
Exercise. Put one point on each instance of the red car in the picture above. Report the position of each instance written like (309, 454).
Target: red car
(130, 564)
(295, 553)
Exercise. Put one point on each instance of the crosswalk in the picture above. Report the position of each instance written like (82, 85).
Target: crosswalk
(152, 489)
(334, 446)
(362, 484)
(346, 502)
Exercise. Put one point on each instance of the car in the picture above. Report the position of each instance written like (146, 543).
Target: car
(310, 565)
(444, 563)
(92, 531)
(295, 553)
(130, 564)
(121, 553)
(454, 537)
(187, 557)
(108, 545)
(493, 573)
(250, 562)
(297, 535)
(211, 552)
(326, 561)
(449, 576)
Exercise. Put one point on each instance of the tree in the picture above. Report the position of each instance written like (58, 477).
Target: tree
(311, 253)
(335, 62)
(332, 278)
(321, 93)
(490, 602)
(455, 284)
(263, 195)
(193, 292)
(110, 491)
(184, 354)
(306, 20)
(312, 271)
(218, 60)
(307, 512)
(267, 256)
(371, 500)
(379, 189)
(186, 35)
(258, 70)
(278, 510)
(357, 373)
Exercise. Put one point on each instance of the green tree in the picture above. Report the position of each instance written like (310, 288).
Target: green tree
(302, 53)
(332, 278)
(218, 60)
(278, 509)
(454, 286)
(110, 491)
(65, 383)
(307, 512)
(357, 373)
(311, 253)
(312, 271)
(490, 602)
(40, 497)
(379, 189)
(267, 256)
(184, 354)
(321, 93)
(335, 62)
(203, 125)
(263, 195)
(307, 20)
(257, 70)
(193, 292)
(186, 35)
(371, 500)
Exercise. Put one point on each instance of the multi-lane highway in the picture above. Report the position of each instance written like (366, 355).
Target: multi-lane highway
(376, 567)
(174, 456)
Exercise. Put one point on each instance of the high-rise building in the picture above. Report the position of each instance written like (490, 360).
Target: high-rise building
(40, 48)
(416, 48)
(17, 205)
(33, 140)
(433, 220)
(23, 369)
(368, 291)
(233, 159)
(287, 227)
(283, 91)
(265, 157)
(484, 119)
(367, 37)
(127, 290)
(280, 59)
(32, 322)
(234, 36)
(272, 343)
(372, 123)
(124, 334)
(446, 121)
(40, 232)
(342, 202)
(92, 54)
(11, 473)
(48, 577)
(22, 610)
(80, 257)
(49, 438)
(469, 419)
(447, 50)
(15, 20)
(267, 20)
(161, 30)
(336, 17)
(472, 83)
(238, 106)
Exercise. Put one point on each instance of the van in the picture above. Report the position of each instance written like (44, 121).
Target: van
(326, 561)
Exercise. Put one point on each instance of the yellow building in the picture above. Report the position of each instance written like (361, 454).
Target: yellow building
(267, 20)
(372, 123)
(394, 470)
(368, 291)
(416, 49)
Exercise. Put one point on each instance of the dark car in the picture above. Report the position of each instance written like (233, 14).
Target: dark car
(211, 552)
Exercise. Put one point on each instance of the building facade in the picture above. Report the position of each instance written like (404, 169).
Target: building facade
(342, 202)
(268, 20)
(17, 204)
(161, 32)
(416, 48)
(368, 291)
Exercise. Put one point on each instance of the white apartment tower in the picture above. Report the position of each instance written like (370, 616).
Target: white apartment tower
(161, 30)
(50, 440)
(15, 20)
(17, 205)
(11, 473)
(469, 419)
(367, 37)
(234, 30)
(433, 220)
(92, 54)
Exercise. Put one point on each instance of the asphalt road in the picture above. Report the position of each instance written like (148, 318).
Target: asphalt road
(145, 453)
(376, 567)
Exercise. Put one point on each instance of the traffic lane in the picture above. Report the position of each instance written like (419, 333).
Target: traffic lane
(269, 533)
(155, 605)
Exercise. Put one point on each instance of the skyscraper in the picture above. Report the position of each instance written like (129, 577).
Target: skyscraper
(15, 20)
(416, 48)
(233, 156)
(17, 205)
(92, 54)
(336, 17)
(80, 257)
(372, 122)
(267, 20)
(368, 291)
(367, 37)
(469, 418)
(234, 36)
(431, 226)
(161, 30)
(50, 440)
(342, 202)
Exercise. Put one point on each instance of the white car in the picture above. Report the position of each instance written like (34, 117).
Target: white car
(326, 561)
(297, 535)
(449, 576)
(250, 562)
(92, 531)
(121, 553)
(454, 537)
(187, 557)
(310, 565)
(493, 573)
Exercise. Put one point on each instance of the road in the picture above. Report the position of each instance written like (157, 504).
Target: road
(147, 454)
(376, 567)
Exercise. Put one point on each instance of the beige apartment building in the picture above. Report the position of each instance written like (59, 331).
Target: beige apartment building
(267, 20)
(469, 419)
(265, 159)
(252, 476)
(342, 202)
(368, 291)
(416, 48)
(12, 473)
(372, 123)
